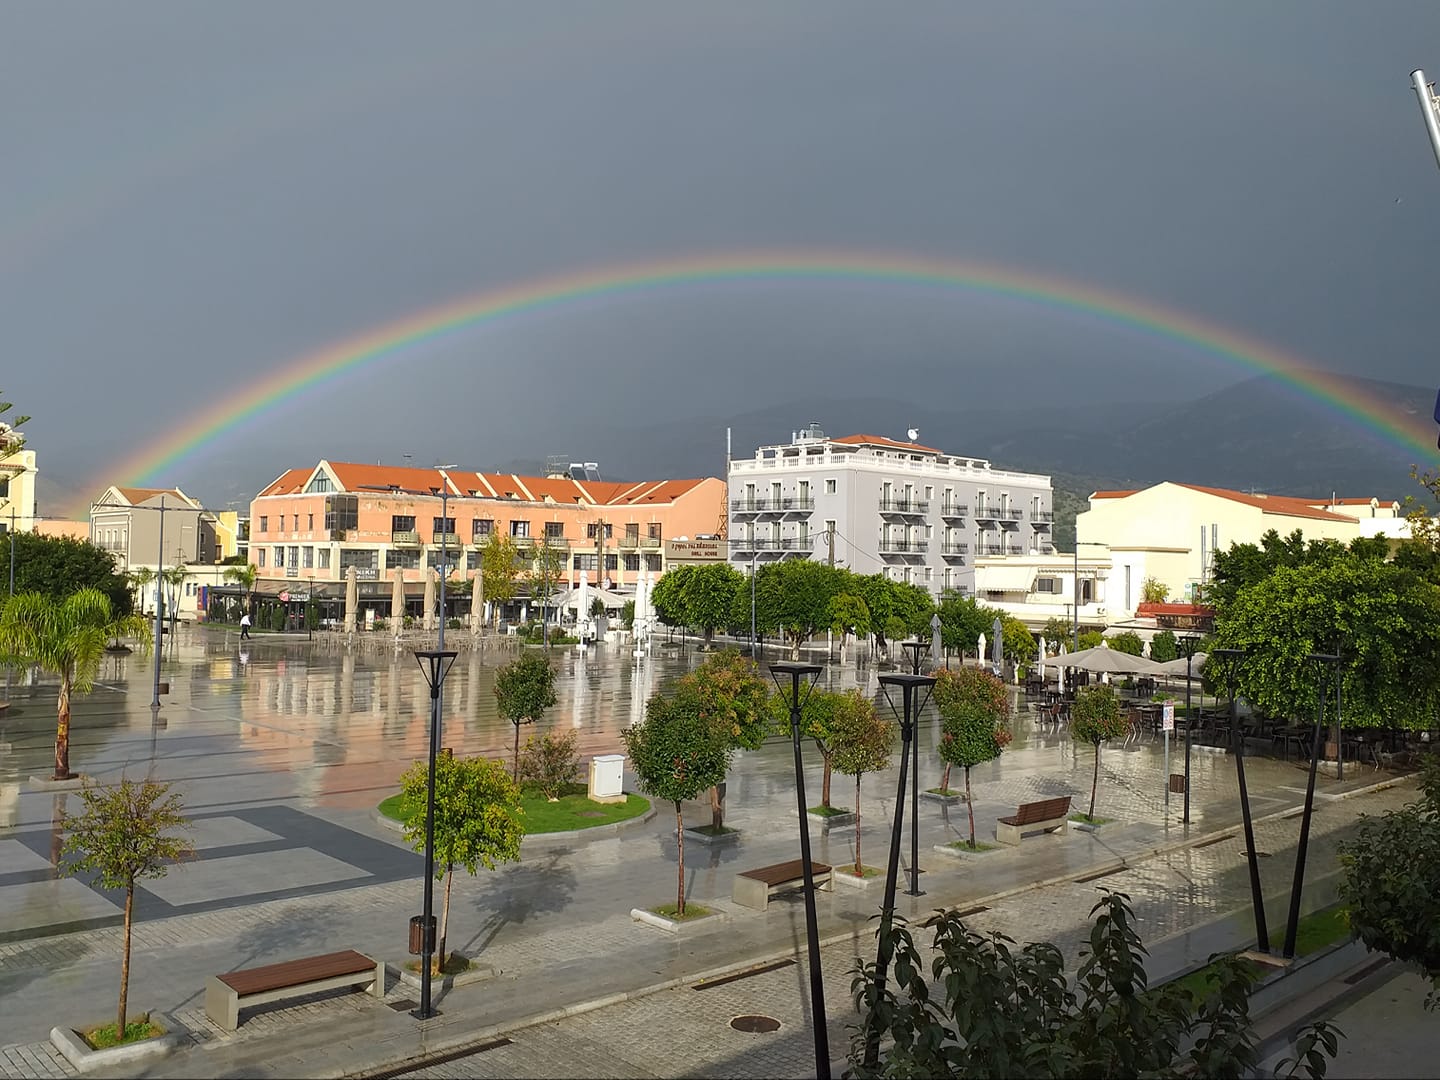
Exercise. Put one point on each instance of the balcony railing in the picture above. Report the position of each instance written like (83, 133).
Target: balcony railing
(1040, 523)
(650, 543)
(954, 510)
(986, 513)
(481, 539)
(562, 542)
(1011, 513)
(904, 506)
(629, 542)
(904, 546)
(749, 506)
(789, 543)
(449, 540)
(405, 537)
(954, 549)
(1043, 516)
(991, 549)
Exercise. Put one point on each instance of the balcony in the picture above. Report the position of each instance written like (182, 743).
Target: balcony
(1043, 516)
(903, 547)
(629, 542)
(480, 539)
(448, 540)
(650, 543)
(1013, 550)
(987, 513)
(990, 549)
(1041, 522)
(560, 542)
(904, 506)
(749, 506)
(766, 543)
(1011, 513)
(954, 549)
(954, 510)
(405, 538)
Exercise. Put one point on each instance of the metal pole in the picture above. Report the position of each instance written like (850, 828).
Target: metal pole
(159, 604)
(1257, 898)
(753, 555)
(1427, 110)
(812, 933)
(428, 939)
(1075, 591)
(1292, 925)
(887, 909)
(1189, 725)
(12, 550)
(915, 889)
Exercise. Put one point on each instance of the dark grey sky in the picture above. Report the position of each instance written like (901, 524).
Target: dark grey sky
(196, 195)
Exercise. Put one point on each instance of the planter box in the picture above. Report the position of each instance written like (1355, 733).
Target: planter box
(675, 926)
(966, 853)
(77, 1051)
(693, 833)
(474, 973)
(833, 821)
(943, 800)
(1087, 826)
(847, 878)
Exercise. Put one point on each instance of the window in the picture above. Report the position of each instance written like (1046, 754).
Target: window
(632, 530)
(360, 558)
(5, 487)
(264, 523)
(297, 523)
(587, 562)
(402, 523)
(520, 528)
(342, 512)
(829, 487)
(482, 528)
(927, 573)
(612, 562)
(554, 530)
(442, 524)
(320, 483)
(652, 563)
(309, 555)
(632, 563)
(260, 556)
(310, 522)
(1047, 585)
(279, 555)
(653, 530)
(294, 556)
(929, 493)
(404, 558)
(324, 558)
(472, 560)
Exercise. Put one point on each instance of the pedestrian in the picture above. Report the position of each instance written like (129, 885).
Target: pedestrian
(245, 626)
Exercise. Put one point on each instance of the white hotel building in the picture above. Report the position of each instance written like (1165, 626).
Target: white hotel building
(911, 512)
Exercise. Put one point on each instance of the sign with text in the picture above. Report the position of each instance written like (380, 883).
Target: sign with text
(1167, 716)
(695, 550)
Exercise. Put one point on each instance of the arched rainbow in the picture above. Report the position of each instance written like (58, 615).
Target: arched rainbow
(390, 341)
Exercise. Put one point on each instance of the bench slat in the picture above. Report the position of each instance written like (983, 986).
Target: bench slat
(296, 972)
(786, 871)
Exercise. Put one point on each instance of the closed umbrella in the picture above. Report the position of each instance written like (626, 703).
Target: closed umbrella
(397, 601)
(980, 650)
(352, 599)
(936, 648)
(477, 601)
(1041, 665)
(1060, 670)
(429, 600)
(583, 611)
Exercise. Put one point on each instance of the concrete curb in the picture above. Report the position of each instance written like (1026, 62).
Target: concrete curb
(77, 1052)
(612, 829)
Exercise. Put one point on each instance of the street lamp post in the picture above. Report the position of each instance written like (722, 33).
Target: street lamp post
(436, 665)
(1257, 898)
(1292, 924)
(796, 671)
(914, 890)
(1188, 644)
(908, 684)
(1075, 629)
(753, 556)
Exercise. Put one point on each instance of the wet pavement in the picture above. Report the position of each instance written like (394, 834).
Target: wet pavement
(282, 753)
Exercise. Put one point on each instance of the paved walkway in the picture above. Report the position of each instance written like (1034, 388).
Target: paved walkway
(282, 780)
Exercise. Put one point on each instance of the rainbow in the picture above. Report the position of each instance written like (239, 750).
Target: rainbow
(394, 340)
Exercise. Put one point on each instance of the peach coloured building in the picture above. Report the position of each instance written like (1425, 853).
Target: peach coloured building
(309, 526)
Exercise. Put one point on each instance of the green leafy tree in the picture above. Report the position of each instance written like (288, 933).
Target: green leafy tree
(849, 614)
(174, 580)
(897, 608)
(627, 614)
(1153, 591)
(796, 595)
(984, 1008)
(1056, 632)
(862, 742)
(668, 595)
(1095, 718)
(524, 689)
(707, 595)
(478, 821)
(817, 723)
(1391, 882)
(1382, 618)
(65, 638)
(244, 575)
(1249, 564)
(1020, 644)
(974, 707)
(58, 566)
(1164, 647)
(140, 579)
(550, 762)
(546, 570)
(676, 754)
(124, 833)
(312, 615)
(727, 691)
(499, 571)
(1127, 642)
(1090, 639)
(962, 620)
(11, 441)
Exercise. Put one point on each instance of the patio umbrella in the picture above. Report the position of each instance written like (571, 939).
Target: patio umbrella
(1176, 667)
(352, 599)
(477, 601)
(1060, 670)
(1105, 660)
(397, 601)
(1041, 664)
(429, 600)
(980, 650)
(583, 611)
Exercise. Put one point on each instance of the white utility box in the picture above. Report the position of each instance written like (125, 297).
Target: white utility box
(607, 778)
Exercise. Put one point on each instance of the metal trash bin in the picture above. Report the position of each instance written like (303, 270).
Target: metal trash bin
(417, 935)
(163, 688)
(1177, 783)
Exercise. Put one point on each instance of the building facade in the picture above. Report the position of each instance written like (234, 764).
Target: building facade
(878, 505)
(17, 491)
(129, 523)
(309, 526)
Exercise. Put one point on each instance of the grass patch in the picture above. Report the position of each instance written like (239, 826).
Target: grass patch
(102, 1038)
(870, 871)
(692, 911)
(949, 793)
(979, 845)
(829, 811)
(574, 811)
(1316, 931)
(455, 964)
(1086, 819)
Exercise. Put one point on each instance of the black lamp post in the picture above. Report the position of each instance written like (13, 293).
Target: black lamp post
(914, 890)
(1292, 924)
(1188, 644)
(797, 671)
(908, 684)
(436, 665)
(1257, 898)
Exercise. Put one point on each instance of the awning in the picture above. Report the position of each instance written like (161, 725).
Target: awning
(1004, 578)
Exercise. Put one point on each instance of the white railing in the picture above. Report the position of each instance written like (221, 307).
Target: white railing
(810, 463)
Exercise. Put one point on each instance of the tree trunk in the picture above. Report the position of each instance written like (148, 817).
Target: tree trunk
(125, 960)
(1095, 782)
(825, 780)
(444, 920)
(945, 779)
(717, 806)
(515, 766)
(859, 866)
(795, 646)
(970, 806)
(679, 862)
(62, 730)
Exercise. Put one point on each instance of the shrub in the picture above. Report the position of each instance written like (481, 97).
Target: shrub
(550, 762)
(1164, 647)
(1128, 642)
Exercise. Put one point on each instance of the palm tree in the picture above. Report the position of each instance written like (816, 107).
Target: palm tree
(66, 638)
(175, 578)
(140, 579)
(244, 576)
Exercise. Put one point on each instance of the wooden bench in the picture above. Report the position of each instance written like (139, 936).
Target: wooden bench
(226, 994)
(1043, 816)
(753, 888)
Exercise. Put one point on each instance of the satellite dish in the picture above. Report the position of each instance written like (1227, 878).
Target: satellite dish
(913, 434)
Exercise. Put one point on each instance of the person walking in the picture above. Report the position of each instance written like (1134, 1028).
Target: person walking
(245, 626)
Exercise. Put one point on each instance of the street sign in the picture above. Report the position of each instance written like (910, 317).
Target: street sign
(284, 597)
(1167, 716)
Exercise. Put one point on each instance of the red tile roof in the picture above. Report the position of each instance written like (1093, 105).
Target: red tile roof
(881, 440)
(290, 482)
(1287, 505)
(1113, 494)
(355, 477)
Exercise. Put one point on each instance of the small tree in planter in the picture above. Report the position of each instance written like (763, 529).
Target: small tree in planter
(524, 689)
(124, 833)
(676, 754)
(478, 821)
(550, 763)
(728, 692)
(974, 707)
(1095, 718)
(817, 721)
(862, 742)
